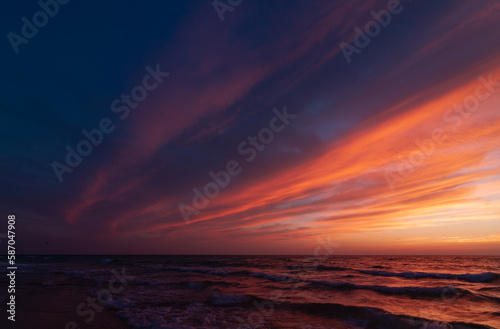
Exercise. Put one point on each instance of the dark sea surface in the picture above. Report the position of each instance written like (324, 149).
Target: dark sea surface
(258, 291)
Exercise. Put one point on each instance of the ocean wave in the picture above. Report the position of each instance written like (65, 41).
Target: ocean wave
(479, 277)
(229, 299)
(206, 270)
(410, 290)
(73, 272)
(80, 272)
(190, 316)
(193, 285)
(316, 267)
(371, 317)
(272, 277)
(330, 268)
(146, 283)
(149, 324)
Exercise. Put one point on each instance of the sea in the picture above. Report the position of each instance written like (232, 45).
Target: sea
(153, 292)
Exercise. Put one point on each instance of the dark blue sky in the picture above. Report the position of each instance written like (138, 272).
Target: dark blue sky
(224, 79)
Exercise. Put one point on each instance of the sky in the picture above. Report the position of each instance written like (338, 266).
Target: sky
(251, 127)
